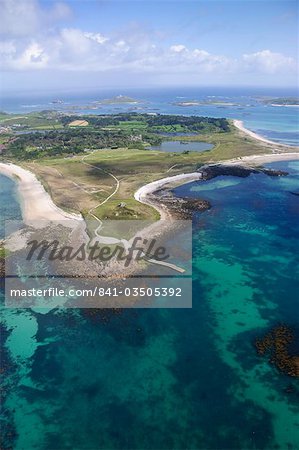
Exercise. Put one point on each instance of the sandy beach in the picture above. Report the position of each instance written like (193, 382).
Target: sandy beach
(36, 204)
(239, 124)
(143, 193)
(255, 160)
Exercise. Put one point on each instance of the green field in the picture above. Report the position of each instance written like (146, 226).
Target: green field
(31, 121)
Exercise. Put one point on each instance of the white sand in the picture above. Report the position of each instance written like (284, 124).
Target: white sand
(256, 160)
(239, 124)
(155, 185)
(37, 206)
(142, 195)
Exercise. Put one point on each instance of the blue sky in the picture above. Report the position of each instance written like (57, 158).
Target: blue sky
(211, 24)
(73, 43)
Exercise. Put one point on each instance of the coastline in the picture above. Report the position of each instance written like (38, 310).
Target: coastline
(145, 193)
(240, 125)
(263, 159)
(142, 194)
(36, 204)
(38, 208)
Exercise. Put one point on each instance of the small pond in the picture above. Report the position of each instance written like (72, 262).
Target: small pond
(182, 146)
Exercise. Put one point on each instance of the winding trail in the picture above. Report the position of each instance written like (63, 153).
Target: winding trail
(103, 239)
(126, 243)
(108, 173)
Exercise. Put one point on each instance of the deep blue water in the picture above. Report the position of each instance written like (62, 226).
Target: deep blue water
(280, 124)
(171, 379)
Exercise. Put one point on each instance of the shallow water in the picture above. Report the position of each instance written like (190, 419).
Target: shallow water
(9, 206)
(172, 379)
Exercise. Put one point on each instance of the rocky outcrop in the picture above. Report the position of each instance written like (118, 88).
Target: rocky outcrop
(179, 207)
(216, 170)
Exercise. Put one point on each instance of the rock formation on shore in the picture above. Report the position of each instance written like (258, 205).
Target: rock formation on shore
(216, 170)
(179, 207)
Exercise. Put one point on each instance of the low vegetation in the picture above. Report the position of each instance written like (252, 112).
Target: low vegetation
(122, 130)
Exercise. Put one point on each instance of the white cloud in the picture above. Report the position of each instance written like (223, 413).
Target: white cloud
(59, 11)
(33, 57)
(7, 48)
(131, 50)
(19, 17)
(73, 41)
(34, 40)
(268, 62)
(122, 46)
(97, 37)
(178, 48)
(198, 59)
(27, 17)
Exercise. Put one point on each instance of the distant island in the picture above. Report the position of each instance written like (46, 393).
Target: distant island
(205, 102)
(118, 99)
(189, 103)
(57, 101)
(282, 101)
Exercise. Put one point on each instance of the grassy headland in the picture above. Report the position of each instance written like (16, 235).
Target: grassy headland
(97, 168)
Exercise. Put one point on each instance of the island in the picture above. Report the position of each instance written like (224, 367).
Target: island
(118, 99)
(282, 101)
(94, 164)
(214, 102)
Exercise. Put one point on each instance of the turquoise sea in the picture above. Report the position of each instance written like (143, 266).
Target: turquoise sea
(170, 379)
(164, 379)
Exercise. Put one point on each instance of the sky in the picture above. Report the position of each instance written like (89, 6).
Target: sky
(82, 44)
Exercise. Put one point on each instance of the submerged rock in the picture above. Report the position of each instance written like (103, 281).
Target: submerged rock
(276, 344)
